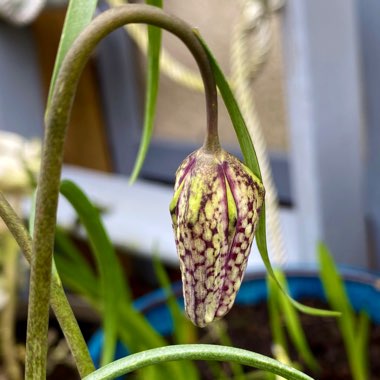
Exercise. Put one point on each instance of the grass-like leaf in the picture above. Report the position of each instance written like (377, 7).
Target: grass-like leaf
(113, 286)
(251, 161)
(66, 247)
(78, 16)
(74, 270)
(337, 297)
(333, 283)
(76, 281)
(153, 75)
(120, 317)
(362, 336)
(276, 324)
(294, 327)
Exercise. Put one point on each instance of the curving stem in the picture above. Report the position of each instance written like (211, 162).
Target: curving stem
(195, 352)
(56, 125)
(58, 300)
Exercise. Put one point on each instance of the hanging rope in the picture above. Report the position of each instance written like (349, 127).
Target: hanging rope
(251, 43)
(255, 23)
(168, 65)
(171, 67)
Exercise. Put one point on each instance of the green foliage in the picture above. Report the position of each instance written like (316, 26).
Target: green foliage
(153, 75)
(275, 318)
(107, 289)
(108, 292)
(354, 330)
(78, 16)
(74, 270)
(112, 281)
(279, 305)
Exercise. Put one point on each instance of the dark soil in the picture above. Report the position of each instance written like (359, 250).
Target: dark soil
(248, 328)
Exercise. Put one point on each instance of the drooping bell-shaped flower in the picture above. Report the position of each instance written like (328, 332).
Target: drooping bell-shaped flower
(214, 211)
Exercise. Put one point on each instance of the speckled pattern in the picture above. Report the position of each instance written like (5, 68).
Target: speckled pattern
(214, 211)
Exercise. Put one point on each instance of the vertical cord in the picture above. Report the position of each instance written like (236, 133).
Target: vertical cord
(244, 68)
(174, 69)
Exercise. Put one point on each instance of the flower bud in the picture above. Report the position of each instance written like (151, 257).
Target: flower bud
(215, 210)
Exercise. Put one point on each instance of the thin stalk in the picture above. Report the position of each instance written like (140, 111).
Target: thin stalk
(56, 125)
(195, 352)
(59, 303)
(7, 332)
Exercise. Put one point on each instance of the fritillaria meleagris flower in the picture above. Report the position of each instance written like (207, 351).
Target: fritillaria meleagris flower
(214, 211)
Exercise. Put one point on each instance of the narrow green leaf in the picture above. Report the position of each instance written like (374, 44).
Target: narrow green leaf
(251, 161)
(122, 319)
(134, 330)
(362, 336)
(113, 285)
(294, 326)
(73, 268)
(277, 328)
(153, 75)
(87, 279)
(78, 16)
(242, 133)
(337, 297)
(333, 283)
(65, 246)
(77, 280)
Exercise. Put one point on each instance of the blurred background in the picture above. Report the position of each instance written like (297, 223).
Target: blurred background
(315, 93)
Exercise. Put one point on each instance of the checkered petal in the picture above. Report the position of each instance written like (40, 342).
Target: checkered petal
(214, 212)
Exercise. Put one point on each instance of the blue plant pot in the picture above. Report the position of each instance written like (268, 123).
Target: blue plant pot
(363, 290)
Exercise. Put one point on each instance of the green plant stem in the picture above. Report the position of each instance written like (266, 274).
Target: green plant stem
(195, 352)
(56, 125)
(59, 303)
(7, 338)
